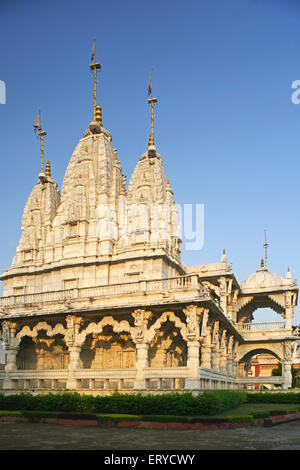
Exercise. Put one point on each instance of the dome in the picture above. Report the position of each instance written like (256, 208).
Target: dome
(263, 279)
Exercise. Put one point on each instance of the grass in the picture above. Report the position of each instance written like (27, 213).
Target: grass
(253, 408)
(242, 413)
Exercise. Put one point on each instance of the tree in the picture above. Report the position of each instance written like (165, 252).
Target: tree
(295, 379)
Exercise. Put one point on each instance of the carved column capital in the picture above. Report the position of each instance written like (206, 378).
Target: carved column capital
(193, 315)
(9, 332)
(141, 319)
(73, 326)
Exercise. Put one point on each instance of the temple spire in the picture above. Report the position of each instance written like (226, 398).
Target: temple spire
(94, 66)
(39, 131)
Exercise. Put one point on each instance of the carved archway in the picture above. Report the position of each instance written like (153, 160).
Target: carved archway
(108, 349)
(51, 331)
(259, 350)
(167, 316)
(40, 351)
(248, 305)
(167, 347)
(118, 327)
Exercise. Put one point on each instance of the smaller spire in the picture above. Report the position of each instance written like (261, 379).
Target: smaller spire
(262, 266)
(289, 275)
(224, 257)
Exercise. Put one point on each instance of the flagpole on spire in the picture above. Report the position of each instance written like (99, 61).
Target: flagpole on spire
(39, 131)
(94, 66)
(151, 101)
(266, 249)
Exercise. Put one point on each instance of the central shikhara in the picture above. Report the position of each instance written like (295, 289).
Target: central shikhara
(97, 297)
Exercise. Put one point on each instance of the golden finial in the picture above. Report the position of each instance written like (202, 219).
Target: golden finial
(48, 169)
(39, 131)
(151, 137)
(95, 66)
(262, 263)
(98, 114)
(151, 101)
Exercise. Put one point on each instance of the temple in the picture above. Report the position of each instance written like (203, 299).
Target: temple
(97, 297)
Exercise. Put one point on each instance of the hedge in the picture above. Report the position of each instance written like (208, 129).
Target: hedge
(117, 418)
(207, 403)
(240, 418)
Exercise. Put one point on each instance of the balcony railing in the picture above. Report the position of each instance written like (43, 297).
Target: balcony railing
(142, 286)
(248, 327)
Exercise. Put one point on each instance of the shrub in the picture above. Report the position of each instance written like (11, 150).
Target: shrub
(240, 419)
(207, 403)
(22, 401)
(37, 414)
(277, 412)
(117, 418)
(261, 414)
(165, 418)
(60, 402)
(11, 413)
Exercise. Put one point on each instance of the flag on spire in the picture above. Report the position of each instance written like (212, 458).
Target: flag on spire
(150, 85)
(37, 124)
(93, 53)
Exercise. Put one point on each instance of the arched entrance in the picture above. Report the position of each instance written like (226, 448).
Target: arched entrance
(42, 352)
(108, 350)
(256, 367)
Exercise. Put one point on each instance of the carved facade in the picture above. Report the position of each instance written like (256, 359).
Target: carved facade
(97, 297)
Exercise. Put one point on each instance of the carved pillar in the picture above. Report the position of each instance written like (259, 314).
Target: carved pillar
(141, 319)
(193, 315)
(215, 352)
(11, 349)
(215, 358)
(141, 363)
(206, 350)
(287, 365)
(289, 309)
(223, 294)
(74, 364)
(71, 337)
(235, 363)
(229, 363)
(193, 380)
(223, 353)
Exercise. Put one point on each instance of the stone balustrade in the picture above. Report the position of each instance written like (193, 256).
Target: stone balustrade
(105, 380)
(181, 283)
(246, 327)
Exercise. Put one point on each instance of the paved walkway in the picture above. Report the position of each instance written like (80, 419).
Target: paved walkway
(20, 436)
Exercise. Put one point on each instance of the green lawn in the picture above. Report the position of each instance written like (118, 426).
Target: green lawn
(250, 408)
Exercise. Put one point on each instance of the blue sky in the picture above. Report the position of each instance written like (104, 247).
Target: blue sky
(225, 125)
